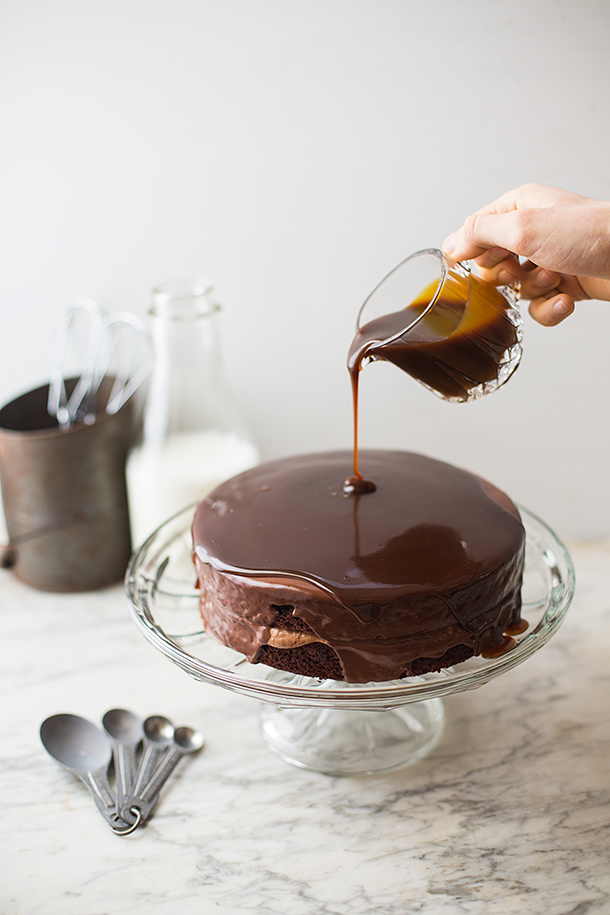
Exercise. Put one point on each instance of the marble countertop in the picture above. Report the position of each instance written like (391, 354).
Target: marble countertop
(509, 813)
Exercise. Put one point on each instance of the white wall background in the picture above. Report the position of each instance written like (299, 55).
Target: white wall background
(294, 152)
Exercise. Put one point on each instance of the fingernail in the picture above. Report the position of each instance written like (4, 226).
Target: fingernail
(449, 243)
(507, 278)
(560, 308)
(544, 280)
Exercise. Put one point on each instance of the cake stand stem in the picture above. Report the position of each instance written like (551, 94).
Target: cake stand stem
(349, 742)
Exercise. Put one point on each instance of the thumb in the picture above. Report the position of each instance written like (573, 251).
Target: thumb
(479, 233)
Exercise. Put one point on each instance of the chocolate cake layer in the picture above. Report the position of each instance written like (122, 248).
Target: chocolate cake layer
(419, 574)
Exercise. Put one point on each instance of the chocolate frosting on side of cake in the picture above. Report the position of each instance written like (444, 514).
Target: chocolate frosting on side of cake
(432, 558)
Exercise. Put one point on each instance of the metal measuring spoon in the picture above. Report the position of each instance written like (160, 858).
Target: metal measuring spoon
(125, 731)
(158, 735)
(186, 740)
(81, 747)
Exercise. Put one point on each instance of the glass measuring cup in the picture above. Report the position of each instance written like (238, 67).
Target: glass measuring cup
(434, 318)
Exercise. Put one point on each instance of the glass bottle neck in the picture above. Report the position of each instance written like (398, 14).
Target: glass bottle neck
(187, 391)
(183, 300)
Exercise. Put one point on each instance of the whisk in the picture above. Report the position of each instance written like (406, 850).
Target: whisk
(116, 346)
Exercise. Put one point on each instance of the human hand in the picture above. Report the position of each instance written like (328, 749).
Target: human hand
(564, 237)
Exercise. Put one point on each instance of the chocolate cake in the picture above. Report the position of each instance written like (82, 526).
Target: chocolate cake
(417, 575)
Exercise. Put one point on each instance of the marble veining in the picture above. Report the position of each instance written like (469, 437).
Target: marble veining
(510, 813)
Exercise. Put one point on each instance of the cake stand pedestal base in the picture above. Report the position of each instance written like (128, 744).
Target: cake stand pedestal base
(345, 742)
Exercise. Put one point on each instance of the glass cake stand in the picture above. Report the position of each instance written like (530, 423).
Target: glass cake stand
(329, 726)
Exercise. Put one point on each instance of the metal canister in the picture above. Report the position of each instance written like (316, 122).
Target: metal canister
(64, 495)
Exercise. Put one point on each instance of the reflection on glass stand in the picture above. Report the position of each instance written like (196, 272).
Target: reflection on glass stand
(328, 726)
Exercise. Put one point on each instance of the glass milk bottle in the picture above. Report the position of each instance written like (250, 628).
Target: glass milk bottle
(193, 435)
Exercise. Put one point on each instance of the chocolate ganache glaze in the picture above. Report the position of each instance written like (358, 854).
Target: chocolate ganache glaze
(431, 560)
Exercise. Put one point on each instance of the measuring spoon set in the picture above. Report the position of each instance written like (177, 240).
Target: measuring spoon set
(144, 754)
